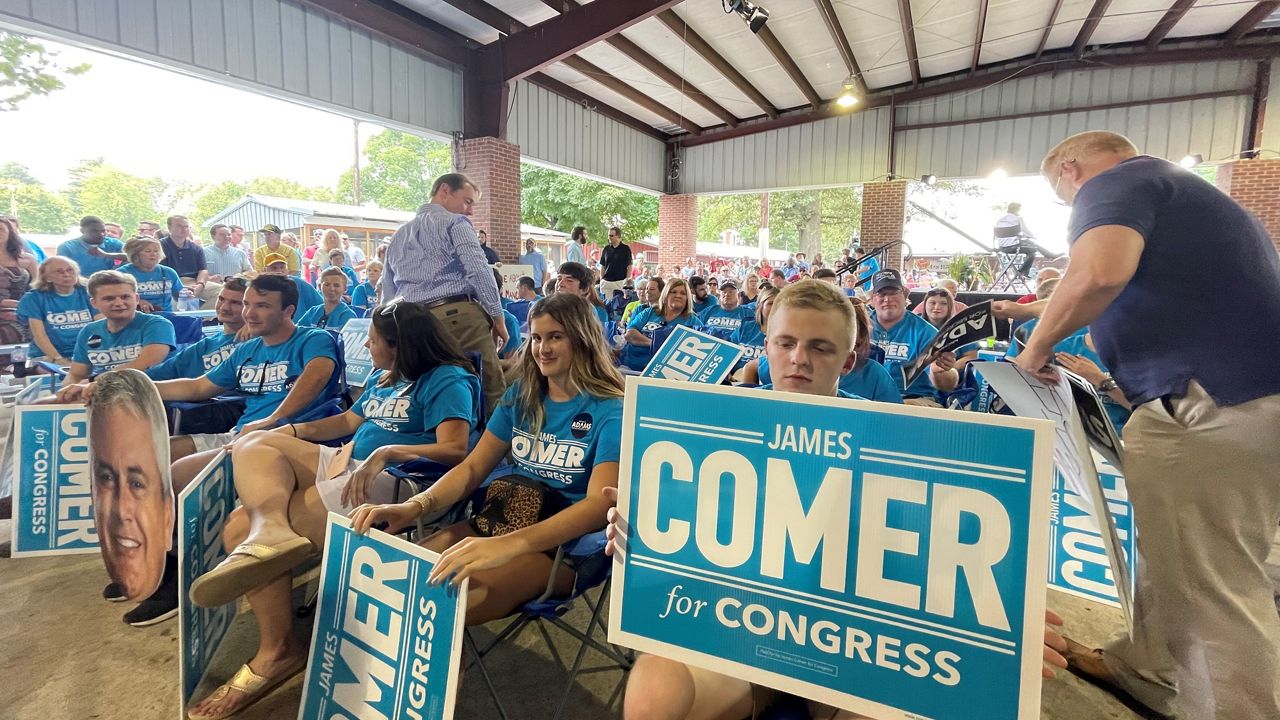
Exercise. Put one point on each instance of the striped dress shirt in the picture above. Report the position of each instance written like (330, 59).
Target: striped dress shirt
(437, 255)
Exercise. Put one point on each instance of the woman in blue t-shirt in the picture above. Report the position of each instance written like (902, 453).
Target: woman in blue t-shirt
(561, 422)
(422, 401)
(56, 309)
(158, 284)
(674, 308)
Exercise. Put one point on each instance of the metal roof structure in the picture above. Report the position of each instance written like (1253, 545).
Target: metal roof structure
(253, 211)
(689, 71)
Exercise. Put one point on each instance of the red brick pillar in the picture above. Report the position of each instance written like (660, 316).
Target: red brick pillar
(494, 165)
(677, 230)
(884, 213)
(1255, 184)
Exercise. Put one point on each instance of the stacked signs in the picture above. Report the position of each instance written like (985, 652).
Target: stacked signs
(970, 325)
(1078, 561)
(52, 493)
(203, 508)
(694, 357)
(386, 645)
(884, 559)
(359, 363)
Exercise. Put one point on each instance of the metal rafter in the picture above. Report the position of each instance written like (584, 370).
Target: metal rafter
(1250, 20)
(698, 44)
(642, 58)
(789, 66)
(1048, 28)
(909, 39)
(982, 28)
(489, 15)
(1091, 21)
(553, 40)
(841, 40)
(1166, 23)
(596, 73)
(566, 90)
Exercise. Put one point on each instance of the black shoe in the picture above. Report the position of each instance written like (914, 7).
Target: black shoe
(114, 593)
(163, 603)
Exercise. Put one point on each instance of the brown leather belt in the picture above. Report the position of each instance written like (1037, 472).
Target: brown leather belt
(448, 301)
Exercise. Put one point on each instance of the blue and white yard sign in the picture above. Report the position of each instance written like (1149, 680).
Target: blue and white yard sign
(885, 559)
(694, 357)
(203, 508)
(53, 493)
(359, 363)
(386, 645)
(1077, 555)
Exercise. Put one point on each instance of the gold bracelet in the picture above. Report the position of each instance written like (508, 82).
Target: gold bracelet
(423, 501)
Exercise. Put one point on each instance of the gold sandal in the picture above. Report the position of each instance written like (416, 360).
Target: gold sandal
(250, 684)
(233, 578)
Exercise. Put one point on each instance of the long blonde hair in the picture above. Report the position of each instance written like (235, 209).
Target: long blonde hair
(688, 294)
(591, 370)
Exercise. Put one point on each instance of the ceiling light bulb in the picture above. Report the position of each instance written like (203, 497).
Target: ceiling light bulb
(848, 94)
(1190, 161)
(998, 174)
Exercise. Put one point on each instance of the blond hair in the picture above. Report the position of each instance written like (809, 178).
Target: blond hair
(817, 295)
(335, 272)
(666, 290)
(766, 291)
(137, 244)
(1088, 144)
(591, 370)
(110, 277)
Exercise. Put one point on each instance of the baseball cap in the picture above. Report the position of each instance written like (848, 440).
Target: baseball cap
(890, 278)
(269, 228)
(273, 258)
(729, 283)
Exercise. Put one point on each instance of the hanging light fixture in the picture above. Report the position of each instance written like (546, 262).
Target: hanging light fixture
(848, 96)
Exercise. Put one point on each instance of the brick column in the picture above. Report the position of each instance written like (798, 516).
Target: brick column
(494, 165)
(1255, 184)
(884, 213)
(677, 230)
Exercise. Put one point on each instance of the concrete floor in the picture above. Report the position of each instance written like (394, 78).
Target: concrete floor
(65, 655)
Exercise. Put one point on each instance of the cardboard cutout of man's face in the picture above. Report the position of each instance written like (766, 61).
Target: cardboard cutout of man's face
(133, 503)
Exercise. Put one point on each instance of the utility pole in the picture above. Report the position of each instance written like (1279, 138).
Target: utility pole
(13, 200)
(764, 225)
(355, 177)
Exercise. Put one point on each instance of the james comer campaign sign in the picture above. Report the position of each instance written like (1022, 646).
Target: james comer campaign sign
(885, 559)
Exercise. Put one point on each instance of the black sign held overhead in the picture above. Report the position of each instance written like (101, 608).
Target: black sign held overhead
(970, 325)
(1097, 423)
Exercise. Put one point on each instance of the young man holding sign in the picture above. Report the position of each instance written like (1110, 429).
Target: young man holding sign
(810, 345)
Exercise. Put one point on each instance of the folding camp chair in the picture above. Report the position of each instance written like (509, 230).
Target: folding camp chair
(186, 329)
(1008, 279)
(593, 569)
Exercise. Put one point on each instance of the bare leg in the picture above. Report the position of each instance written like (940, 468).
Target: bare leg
(269, 468)
(184, 470)
(181, 446)
(662, 689)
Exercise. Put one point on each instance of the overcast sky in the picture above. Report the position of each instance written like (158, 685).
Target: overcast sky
(155, 122)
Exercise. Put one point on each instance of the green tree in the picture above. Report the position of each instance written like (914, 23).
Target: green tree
(398, 170)
(561, 201)
(27, 69)
(718, 213)
(41, 211)
(104, 190)
(17, 172)
(814, 221)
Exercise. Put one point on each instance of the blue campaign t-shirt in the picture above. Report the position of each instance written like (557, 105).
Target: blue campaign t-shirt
(646, 320)
(513, 335)
(78, 250)
(910, 337)
(870, 381)
(101, 349)
(64, 316)
(266, 373)
(576, 436)
(1078, 346)
(158, 287)
(839, 393)
(308, 297)
(601, 314)
(364, 298)
(316, 317)
(407, 413)
(701, 306)
(868, 266)
(195, 359)
(719, 320)
(1204, 303)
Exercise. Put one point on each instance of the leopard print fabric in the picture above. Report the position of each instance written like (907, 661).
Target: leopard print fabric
(508, 507)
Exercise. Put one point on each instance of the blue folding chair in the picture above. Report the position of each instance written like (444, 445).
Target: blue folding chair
(592, 570)
(519, 308)
(186, 329)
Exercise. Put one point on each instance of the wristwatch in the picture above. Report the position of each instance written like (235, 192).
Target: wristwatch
(1108, 384)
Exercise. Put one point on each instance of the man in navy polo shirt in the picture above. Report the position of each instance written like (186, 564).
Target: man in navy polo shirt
(903, 336)
(186, 257)
(1203, 443)
(93, 250)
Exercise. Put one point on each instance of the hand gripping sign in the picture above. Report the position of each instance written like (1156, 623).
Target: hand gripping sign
(203, 508)
(694, 357)
(884, 559)
(386, 645)
(359, 363)
(970, 325)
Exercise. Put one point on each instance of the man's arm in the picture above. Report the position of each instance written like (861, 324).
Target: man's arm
(315, 376)
(153, 354)
(1103, 260)
(188, 389)
(467, 246)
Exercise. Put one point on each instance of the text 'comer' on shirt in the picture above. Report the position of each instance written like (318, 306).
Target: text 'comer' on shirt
(266, 373)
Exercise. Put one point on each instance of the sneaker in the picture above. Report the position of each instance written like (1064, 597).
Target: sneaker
(163, 603)
(113, 592)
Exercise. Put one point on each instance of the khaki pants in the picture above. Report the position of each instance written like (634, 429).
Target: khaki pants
(1204, 481)
(209, 295)
(608, 286)
(470, 326)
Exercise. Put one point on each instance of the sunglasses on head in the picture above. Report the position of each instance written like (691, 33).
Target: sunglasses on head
(937, 292)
